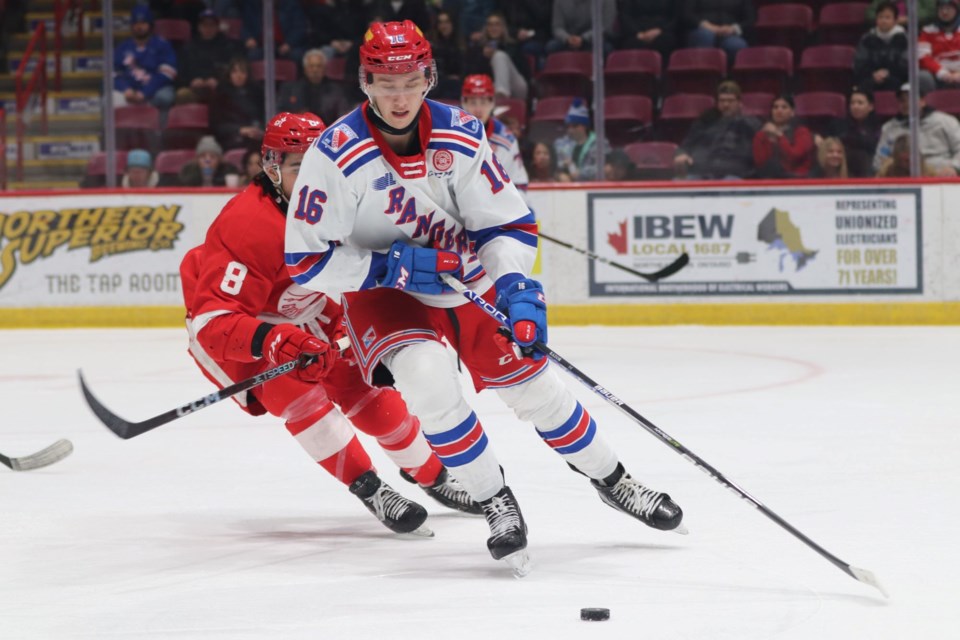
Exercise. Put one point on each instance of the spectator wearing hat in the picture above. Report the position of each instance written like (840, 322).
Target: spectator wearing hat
(576, 151)
(939, 48)
(880, 63)
(719, 145)
(204, 60)
(939, 135)
(209, 169)
(144, 65)
(314, 92)
(140, 173)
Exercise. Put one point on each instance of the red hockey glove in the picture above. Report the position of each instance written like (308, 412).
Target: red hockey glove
(285, 342)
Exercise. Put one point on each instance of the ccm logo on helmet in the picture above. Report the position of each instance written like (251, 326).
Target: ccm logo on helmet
(399, 58)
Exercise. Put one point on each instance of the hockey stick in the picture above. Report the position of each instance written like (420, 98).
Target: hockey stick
(126, 430)
(43, 458)
(668, 270)
(863, 575)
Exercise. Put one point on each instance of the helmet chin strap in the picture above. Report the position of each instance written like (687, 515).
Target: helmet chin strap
(381, 124)
(278, 195)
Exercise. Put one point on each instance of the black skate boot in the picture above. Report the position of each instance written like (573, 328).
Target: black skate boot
(650, 507)
(395, 512)
(508, 531)
(448, 492)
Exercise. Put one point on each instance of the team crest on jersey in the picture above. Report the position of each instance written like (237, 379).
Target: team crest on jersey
(442, 160)
(464, 120)
(368, 338)
(341, 135)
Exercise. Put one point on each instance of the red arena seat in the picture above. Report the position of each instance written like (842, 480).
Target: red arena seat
(696, 70)
(766, 69)
(632, 72)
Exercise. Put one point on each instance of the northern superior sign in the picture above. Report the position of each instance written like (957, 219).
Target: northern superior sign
(770, 242)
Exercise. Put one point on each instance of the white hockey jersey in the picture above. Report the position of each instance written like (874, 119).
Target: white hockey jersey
(507, 150)
(354, 197)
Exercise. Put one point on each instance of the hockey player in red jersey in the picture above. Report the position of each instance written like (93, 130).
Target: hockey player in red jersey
(479, 99)
(245, 315)
(396, 193)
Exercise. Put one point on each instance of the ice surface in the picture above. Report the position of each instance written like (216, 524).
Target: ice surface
(218, 525)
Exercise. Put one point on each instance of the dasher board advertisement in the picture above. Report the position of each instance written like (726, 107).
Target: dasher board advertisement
(770, 242)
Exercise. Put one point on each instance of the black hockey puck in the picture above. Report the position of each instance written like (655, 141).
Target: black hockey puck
(594, 614)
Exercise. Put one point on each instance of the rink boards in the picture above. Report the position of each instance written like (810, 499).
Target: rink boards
(760, 253)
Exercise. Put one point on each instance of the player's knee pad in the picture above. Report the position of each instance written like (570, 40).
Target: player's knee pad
(545, 400)
(424, 375)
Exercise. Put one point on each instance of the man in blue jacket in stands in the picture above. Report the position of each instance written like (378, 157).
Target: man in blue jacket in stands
(144, 66)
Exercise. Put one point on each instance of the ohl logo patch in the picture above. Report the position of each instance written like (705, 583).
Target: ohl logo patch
(339, 137)
(442, 160)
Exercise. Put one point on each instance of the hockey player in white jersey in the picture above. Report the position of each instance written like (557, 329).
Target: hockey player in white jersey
(391, 196)
(479, 99)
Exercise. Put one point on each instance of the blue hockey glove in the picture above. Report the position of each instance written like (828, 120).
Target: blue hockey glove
(418, 269)
(522, 301)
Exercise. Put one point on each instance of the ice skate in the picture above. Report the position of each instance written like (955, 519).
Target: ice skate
(395, 512)
(448, 492)
(654, 509)
(508, 531)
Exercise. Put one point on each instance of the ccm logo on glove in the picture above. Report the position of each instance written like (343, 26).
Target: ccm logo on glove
(418, 269)
(286, 342)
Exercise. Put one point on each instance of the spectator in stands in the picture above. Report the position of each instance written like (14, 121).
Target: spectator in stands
(531, 22)
(939, 136)
(541, 163)
(859, 132)
(238, 108)
(939, 48)
(498, 55)
(576, 151)
(204, 60)
(719, 145)
(831, 160)
(251, 166)
(399, 10)
(144, 65)
(719, 23)
(573, 26)
(140, 173)
(783, 148)
(619, 167)
(448, 52)
(290, 29)
(649, 24)
(473, 15)
(209, 169)
(898, 164)
(880, 63)
(314, 92)
(178, 10)
(927, 11)
(336, 27)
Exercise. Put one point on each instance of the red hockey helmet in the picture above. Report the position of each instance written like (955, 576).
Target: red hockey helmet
(394, 48)
(291, 133)
(478, 85)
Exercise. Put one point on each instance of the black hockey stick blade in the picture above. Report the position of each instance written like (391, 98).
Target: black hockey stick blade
(682, 260)
(43, 458)
(126, 430)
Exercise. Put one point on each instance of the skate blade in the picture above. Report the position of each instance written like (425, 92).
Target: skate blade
(681, 529)
(520, 562)
(422, 532)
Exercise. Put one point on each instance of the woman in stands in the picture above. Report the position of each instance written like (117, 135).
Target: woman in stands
(783, 148)
(859, 132)
(831, 160)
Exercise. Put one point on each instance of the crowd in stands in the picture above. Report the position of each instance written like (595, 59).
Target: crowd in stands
(695, 89)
